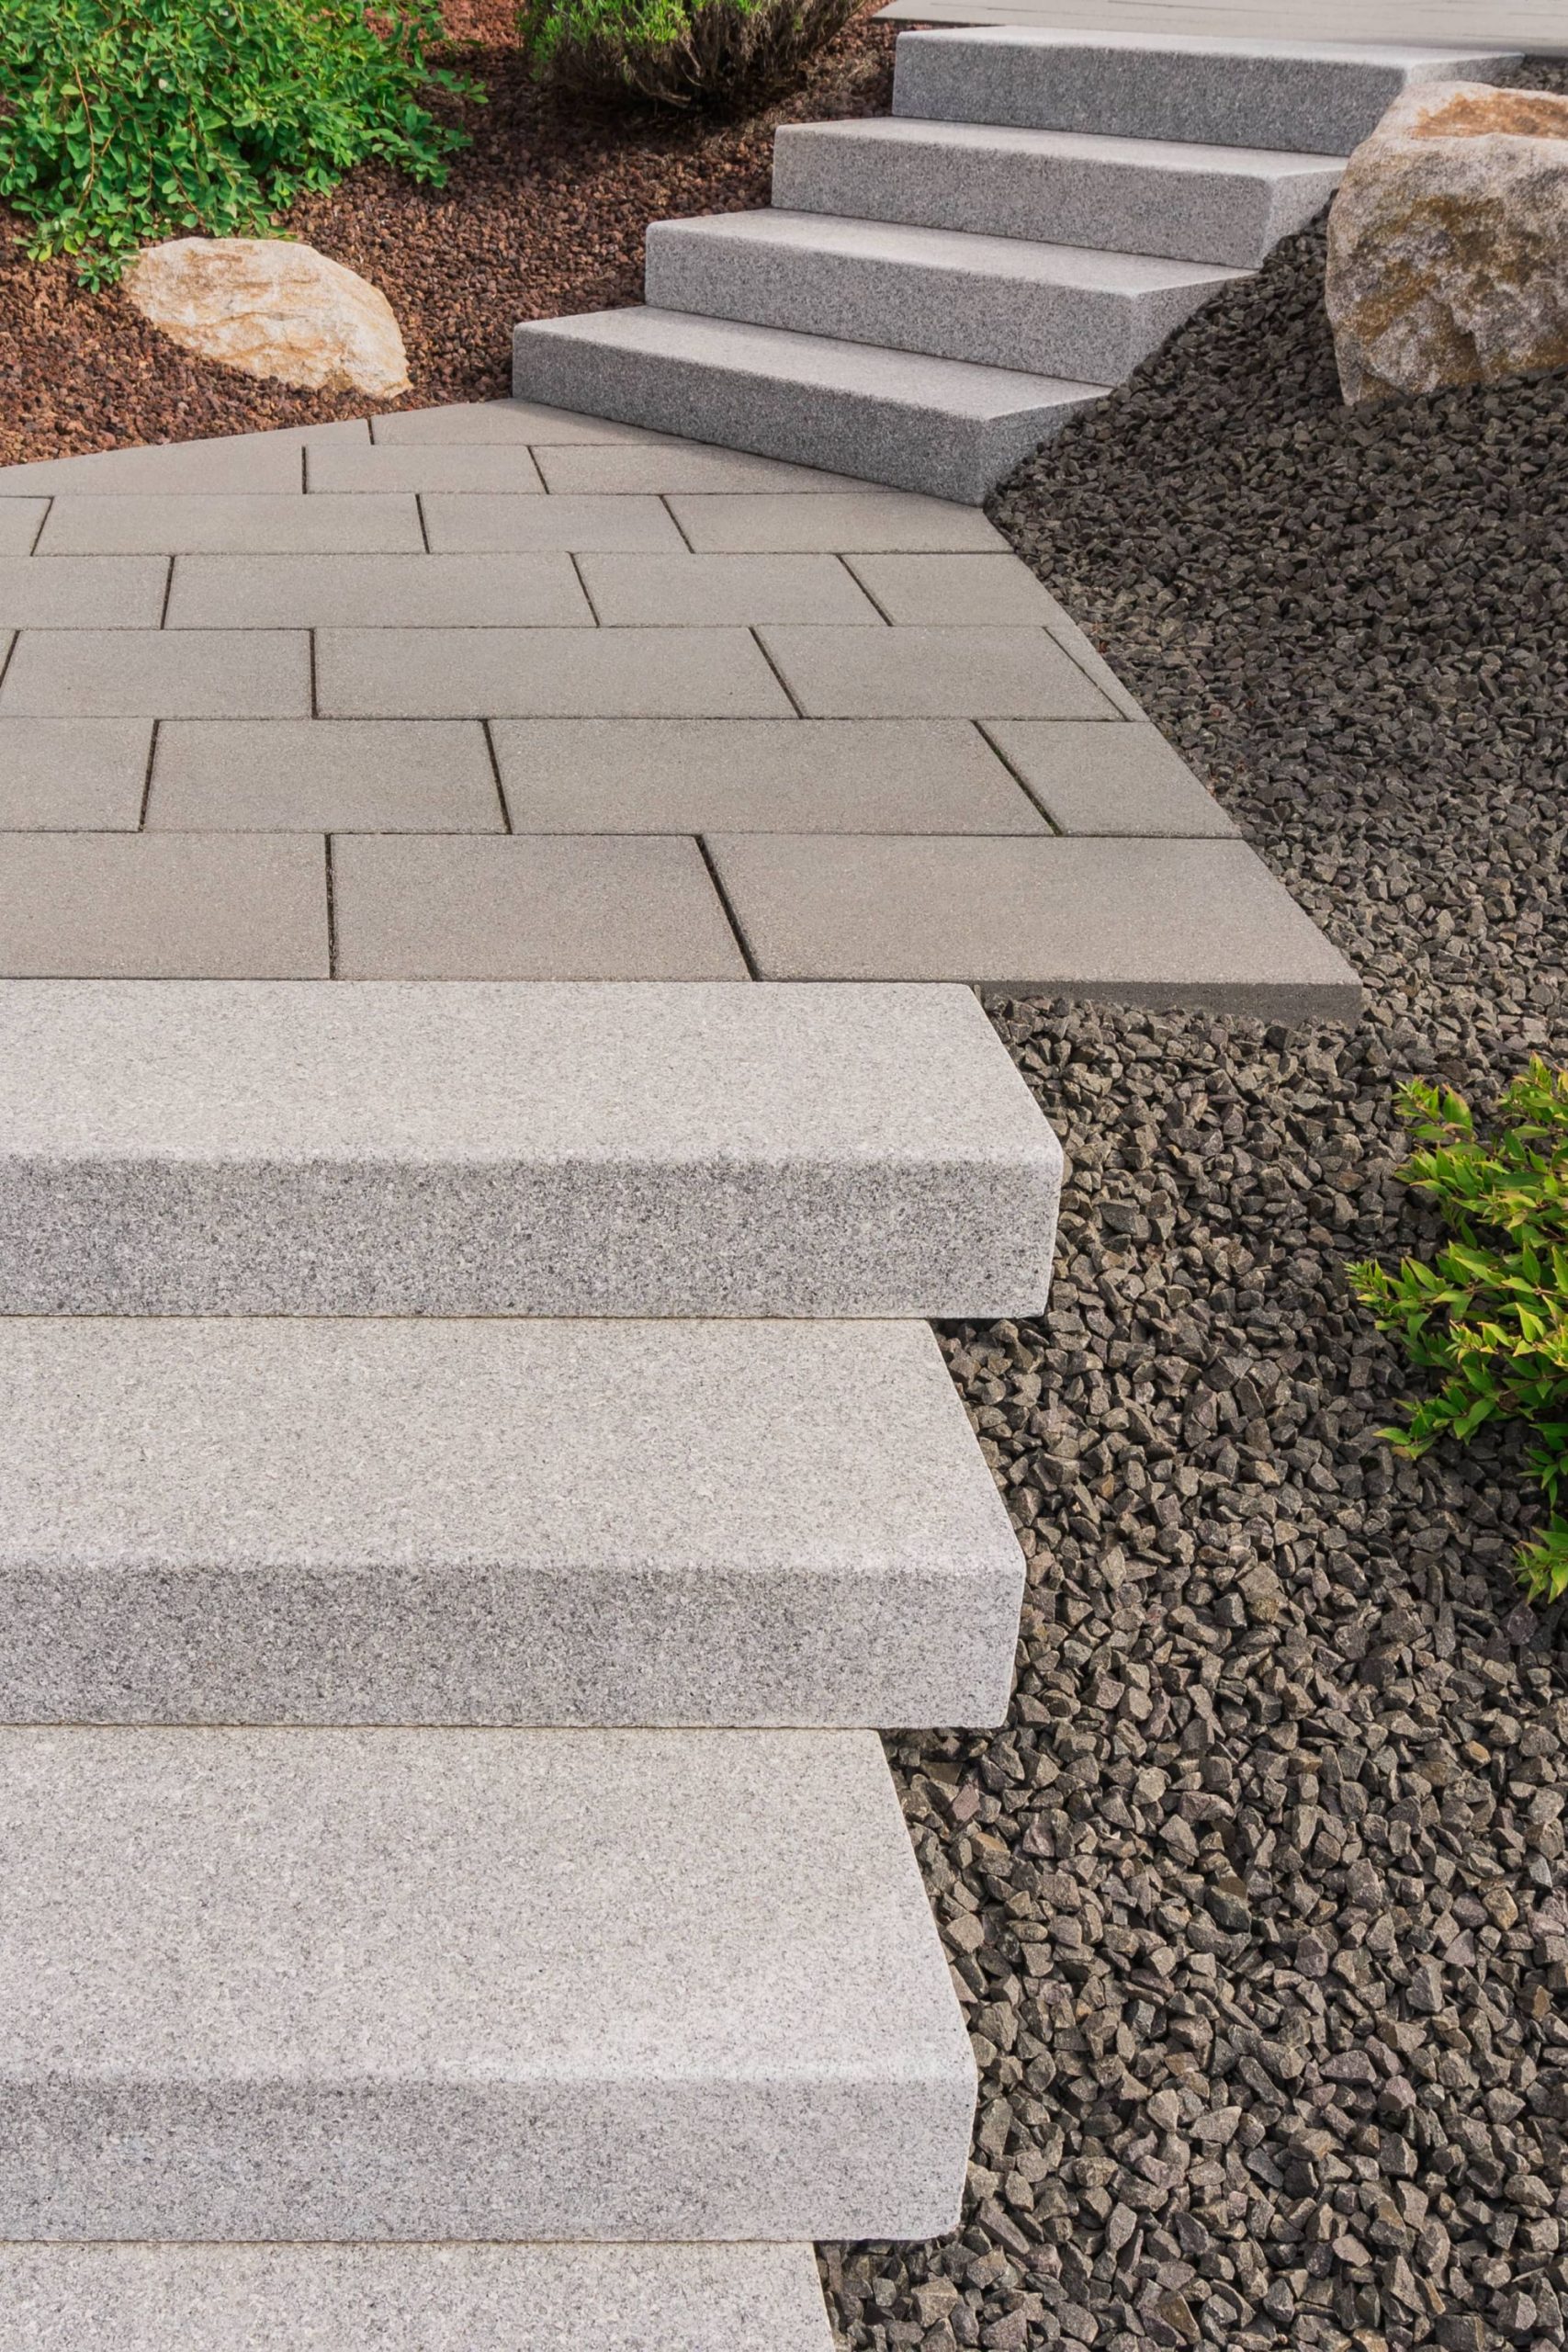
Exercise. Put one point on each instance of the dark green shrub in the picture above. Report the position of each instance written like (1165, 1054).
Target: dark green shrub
(1490, 1314)
(123, 121)
(726, 53)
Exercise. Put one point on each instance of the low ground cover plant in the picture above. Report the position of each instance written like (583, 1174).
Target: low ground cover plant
(1489, 1314)
(122, 121)
(720, 54)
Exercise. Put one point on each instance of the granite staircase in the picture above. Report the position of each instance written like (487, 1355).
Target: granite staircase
(476, 1470)
(934, 295)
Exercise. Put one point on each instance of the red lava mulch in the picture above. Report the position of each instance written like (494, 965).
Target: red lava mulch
(544, 214)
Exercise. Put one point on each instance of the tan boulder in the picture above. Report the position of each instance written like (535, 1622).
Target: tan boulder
(272, 307)
(1448, 243)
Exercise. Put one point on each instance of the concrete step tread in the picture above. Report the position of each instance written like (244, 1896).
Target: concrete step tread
(496, 1521)
(364, 1984)
(1081, 269)
(880, 132)
(413, 2299)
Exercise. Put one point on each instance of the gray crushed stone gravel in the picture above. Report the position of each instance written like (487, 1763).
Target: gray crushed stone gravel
(1258, 1901)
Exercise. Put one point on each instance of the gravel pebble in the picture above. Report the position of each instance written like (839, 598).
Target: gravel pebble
(1257, 1905)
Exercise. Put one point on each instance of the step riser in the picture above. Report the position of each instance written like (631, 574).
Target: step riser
(514, 1523)
(1001, 191)
(948, 313)
(256, 1148)
(905, 445)
(1304, 104)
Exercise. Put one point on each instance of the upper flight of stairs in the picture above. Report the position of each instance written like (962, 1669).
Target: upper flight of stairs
(934, 294)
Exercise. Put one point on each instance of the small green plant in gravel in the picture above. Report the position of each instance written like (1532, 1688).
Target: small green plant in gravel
(720, 54)
(1489, 1314)
(122, 121)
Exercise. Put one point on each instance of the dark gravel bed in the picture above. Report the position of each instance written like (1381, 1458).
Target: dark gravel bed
(1257, 1901)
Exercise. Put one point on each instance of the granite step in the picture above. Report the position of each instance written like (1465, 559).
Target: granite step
(1309, 98)
(494, 1522)
(1065, 309)
(431, 1984)
(1230, 205)
(194, 1148)
(945, 426)
(413, 2299)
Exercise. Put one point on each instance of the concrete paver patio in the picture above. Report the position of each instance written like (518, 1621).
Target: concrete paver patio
(497, 692)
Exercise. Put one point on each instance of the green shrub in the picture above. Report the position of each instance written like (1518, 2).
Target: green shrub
(1490, 1314)
(122, 121)
(723, 53)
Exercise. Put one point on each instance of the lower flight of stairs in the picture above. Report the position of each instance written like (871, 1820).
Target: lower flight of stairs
(935, 294)
(476, 1471)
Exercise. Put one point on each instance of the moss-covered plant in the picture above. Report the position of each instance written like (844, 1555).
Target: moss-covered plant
(726, 54)
(122, 121)
(1489, 1314)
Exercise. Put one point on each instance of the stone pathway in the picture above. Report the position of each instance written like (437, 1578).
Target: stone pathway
(498, 692)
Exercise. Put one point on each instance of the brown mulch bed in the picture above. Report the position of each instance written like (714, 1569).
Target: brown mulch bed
(544, 214)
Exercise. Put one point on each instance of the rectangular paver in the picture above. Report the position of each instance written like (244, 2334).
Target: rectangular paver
(462, 1147)
(82, 591)
(21, 519)
(480, 1986)
(425, 465)
(318, 776)
(549, 908)
(242, 462)
(933, 590)
(374, 591)
(69, 774)
(690, 466)
(180, 525)
(1095, 779)
(932, 674)
(696, 775)
(495, 1520)
(618, 672)
(750, 522)
(660, 591)
(522, 526)
(158, 673)
(481, 423)
(1140, 921)
(174, 905)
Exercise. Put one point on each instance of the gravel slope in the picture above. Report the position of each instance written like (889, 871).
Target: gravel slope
(1259, 1899)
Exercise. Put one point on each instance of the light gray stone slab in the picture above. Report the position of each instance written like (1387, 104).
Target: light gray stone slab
(669, 465)
(21, 519)
(859, 519)
(931, 674)
(551, 907)
(320, 776)
(479, 423)
(523, 525)
(82, 591)
(658, 591)
(158, 674)
(928, 590)
(496, 1521)
(545, 672)
(245, 461)
(1092, 663)
(1095, 779)
(459, 1148)
(178, 524)
(1314, 97)
(72, 775)
(791, 775)
(945, 427)
(368, 1985)
(1199, 922)
(752, 2298)
(374, 591)
(169, 906)
(460, 467)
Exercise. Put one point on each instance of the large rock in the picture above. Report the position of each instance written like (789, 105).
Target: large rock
(272, 307)
(1448, 243)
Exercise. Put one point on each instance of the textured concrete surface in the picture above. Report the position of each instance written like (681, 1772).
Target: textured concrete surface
(1187, 202)
(359, 1984)
(525, 1523)
(371, 775)
(158, 674)
(374, 591)
(65, 774)
(854, 520)
(181, 522)
(1095, 779)
(545, 672)
(167, 906)
(707, 591)
(752, 2298)
(933, 673)
(464, 1148)
(1533, 25)
(928, 591)
(528, 525)
(86, 591)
